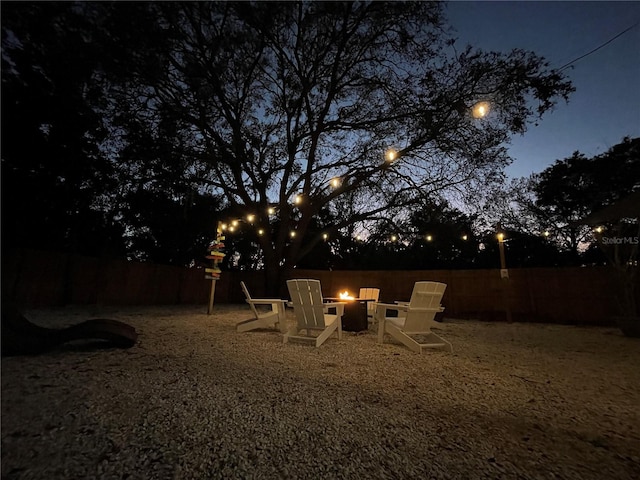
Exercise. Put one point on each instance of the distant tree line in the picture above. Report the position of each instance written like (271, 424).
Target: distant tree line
(129, 129)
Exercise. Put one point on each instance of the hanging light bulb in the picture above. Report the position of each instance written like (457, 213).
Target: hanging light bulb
(480, 109)
(391, 155)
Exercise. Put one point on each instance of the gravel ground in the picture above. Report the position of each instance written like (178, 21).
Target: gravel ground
(193, 399)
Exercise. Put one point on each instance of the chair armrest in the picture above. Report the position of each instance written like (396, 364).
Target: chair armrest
(427, 309)
(339, 306)
(274, 302)
(332, 304)
(258, 301)
(391, 306)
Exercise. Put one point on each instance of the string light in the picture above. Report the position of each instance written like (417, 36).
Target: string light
(391, 155)
(480, 109)
(234, 225)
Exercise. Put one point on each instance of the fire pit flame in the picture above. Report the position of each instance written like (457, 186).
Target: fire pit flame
(345, 296)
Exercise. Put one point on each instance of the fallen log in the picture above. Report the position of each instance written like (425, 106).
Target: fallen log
(22, 337)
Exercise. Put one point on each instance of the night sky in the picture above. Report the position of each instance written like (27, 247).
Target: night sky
(606, 104)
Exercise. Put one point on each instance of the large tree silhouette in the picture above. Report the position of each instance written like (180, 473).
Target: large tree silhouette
(273, 101)
(266, 102)
(54, 175)
(572, 188)
(72, 178)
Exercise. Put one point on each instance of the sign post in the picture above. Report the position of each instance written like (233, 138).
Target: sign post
(216, 256)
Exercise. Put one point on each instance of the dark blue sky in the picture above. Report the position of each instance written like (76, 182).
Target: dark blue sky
(606, 104)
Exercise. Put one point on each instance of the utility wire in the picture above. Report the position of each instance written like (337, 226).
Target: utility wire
(566, 65)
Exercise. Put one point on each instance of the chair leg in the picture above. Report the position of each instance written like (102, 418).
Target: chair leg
(447, 345)
(282, 322)
(403, 338)
(381, 327)
(320, 339)
(291, 332)
(247, 325)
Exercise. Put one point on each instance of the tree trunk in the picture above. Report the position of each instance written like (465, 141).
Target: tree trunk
(275, 278)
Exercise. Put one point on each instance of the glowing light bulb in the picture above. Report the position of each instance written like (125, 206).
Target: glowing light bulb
(391, 155)
(480, 109)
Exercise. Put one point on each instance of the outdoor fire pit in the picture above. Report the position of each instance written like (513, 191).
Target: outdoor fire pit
(355, 312)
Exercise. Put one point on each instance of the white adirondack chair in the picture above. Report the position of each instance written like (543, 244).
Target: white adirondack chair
(273, 317)
(415, 318)
(369, 293)
(429, 287)
(311, 313)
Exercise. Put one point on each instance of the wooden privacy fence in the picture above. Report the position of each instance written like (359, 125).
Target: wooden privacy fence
(556, 295)
(38, 279)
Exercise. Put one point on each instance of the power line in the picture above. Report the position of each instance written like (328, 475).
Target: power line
(566, 65)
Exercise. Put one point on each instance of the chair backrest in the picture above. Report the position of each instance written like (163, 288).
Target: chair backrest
(248, 298)
(424, 304)
(306, 296)
(431, 288)
(369, 293)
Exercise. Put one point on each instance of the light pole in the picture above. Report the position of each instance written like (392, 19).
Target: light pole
(504, 274)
